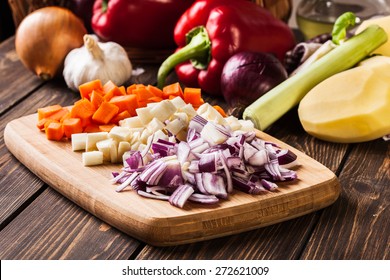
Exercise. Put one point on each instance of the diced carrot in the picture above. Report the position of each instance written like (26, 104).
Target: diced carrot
(121, 116)
(71, 126)
(41, 124)
(66, 116)
(125, 103)
(142, 94)
(129, 89)
(96, 98)
(220, 110)
(54, 131)
(142, 104)
(105, 113)
(154, 99)
(59, 114)
(106, 127)
(47, 111)
(86, 88)
(170, 97)
(84, 110)
(140, 86)
(155, 90)
(108, 86)
(91, 128)
(107, 96)
(123, 90)
(172, 89)
(48, 121)
(193, 96)
(115, 91)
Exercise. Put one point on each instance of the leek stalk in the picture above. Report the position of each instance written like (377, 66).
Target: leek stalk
(279, 100)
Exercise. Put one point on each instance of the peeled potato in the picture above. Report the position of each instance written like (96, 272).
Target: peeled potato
(383, 22)
(352, 106)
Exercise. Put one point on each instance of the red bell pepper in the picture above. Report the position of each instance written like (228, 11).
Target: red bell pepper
(147, 24)
(211, 31)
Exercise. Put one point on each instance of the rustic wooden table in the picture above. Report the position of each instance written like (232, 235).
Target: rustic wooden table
(36, 222)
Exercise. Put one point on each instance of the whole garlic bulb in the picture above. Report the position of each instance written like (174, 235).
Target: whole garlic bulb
(96, 60)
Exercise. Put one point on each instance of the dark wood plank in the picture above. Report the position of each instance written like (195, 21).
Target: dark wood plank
(18, 184)
(357, 226)
(282, 241)
(52, 227)
(17, 82)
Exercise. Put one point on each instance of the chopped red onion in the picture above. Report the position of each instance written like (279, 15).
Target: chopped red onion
(196, 171)
(183, 152)
(181, 195)
(151, 195)
(127, 182)
(214, 184)
(269, 185)
(203, 198)
(207, 163)
(229, 181)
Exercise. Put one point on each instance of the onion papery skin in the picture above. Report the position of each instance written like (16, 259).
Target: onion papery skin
(45, 37)
(247, 76)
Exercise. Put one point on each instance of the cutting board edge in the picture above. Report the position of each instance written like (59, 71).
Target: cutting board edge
(204, 235)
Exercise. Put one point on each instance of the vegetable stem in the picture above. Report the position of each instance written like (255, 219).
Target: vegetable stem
(104, 6)
(275, 103)
(343, 22)
(197, 50)
(93, 47)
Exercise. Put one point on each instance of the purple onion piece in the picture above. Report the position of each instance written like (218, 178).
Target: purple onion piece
(207, 163)
(127, 182)
(214, 184)
(271, 186)
(229, 181)
(135, 160)
(197, 123)
(247, 186)
(172, 176)
(199, 183)
(181, 195)
(183, 152)
(151, 195)
(203, 198)
(286, 158)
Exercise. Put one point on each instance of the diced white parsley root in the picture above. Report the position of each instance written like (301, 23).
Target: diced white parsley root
(92, 158)
(93, 138)
(79, 141)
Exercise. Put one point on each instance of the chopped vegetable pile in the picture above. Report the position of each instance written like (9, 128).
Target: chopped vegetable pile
(101, 107)
(172, 144)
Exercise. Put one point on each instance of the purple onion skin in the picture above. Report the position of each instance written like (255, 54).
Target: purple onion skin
(247, 76)
(83, 9)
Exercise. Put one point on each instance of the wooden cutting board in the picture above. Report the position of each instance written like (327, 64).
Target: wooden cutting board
(157, 222)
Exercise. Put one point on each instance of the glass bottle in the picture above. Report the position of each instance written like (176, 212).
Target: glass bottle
(316, 17)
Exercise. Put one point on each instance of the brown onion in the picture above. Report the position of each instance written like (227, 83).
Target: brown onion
(45, 37)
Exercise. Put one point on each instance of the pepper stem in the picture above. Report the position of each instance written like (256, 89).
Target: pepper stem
(104, 6)
(197, 50)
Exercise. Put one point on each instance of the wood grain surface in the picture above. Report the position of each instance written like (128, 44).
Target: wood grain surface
(156, 222)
